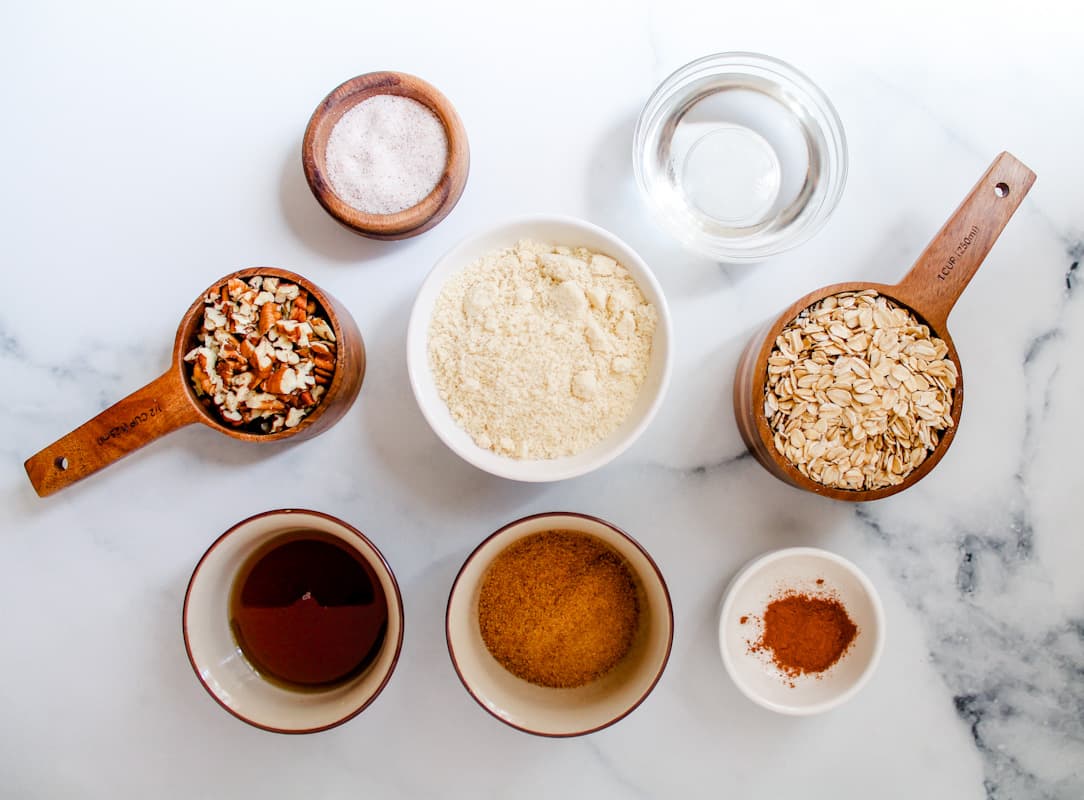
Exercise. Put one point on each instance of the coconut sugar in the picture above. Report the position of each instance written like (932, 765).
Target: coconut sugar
(559, 609)
(386, 154)
(540, 351)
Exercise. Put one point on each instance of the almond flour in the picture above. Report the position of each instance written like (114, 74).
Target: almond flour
(540, 351)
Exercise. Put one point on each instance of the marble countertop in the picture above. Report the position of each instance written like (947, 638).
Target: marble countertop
(149, 148)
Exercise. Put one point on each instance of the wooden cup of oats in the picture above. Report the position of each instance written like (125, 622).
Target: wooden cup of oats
(261, 355)
(855, 391)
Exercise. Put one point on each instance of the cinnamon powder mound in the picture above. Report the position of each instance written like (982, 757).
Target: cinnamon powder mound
(805, 634)
(558, 609)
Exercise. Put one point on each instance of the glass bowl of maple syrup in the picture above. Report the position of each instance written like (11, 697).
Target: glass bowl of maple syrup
(293, 621)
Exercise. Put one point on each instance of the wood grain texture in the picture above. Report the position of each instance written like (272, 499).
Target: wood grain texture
(169, 402)
(408, 222)
(930, 289)
(940, 275)
(152, 411)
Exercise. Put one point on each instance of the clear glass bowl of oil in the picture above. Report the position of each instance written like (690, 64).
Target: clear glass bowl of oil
(740, 156)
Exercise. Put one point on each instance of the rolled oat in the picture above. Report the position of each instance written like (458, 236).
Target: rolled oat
(858, 391)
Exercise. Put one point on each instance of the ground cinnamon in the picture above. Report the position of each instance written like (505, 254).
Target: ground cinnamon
(558, 608)
(805, 633)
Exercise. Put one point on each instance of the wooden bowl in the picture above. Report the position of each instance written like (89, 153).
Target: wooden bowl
(930, 289)
(410, 221)
(169, 402)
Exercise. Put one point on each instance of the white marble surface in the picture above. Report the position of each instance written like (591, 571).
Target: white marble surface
(149, 148)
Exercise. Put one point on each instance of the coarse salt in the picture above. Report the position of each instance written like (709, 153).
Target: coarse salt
(386, 154)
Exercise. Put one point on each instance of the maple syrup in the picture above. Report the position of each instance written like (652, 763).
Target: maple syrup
(308, 611)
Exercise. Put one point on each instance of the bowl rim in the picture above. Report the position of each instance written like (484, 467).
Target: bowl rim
(398, 603)
(730, 62)
(755, 565)
(418, 351)
(658, 575)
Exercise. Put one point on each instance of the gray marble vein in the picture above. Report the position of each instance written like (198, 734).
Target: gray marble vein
(1017, 679)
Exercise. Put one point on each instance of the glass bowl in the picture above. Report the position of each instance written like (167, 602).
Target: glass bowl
(740, 156)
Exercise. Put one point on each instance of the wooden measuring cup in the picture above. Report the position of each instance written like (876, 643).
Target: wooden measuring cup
(169, 402)
(930, 289)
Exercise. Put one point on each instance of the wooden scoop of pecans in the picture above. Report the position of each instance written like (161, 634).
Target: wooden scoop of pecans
(266, 356)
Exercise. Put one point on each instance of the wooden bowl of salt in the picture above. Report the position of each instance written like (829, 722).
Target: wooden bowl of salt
(386, 155)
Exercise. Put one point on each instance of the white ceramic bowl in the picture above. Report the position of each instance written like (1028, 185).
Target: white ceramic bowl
(217, 658)
(560, 712)
(559, 231)
(799, 568)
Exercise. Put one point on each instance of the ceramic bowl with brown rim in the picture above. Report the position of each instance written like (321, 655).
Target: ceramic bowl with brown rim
(428, 211)
(221, 665)
(547, 711)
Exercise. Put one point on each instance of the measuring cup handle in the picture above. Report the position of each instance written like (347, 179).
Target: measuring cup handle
(158, 408)
(945, 267)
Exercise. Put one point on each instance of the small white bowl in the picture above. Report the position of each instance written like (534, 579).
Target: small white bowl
(560, 712)
(557, 230)
(223, 669)
(798, 568)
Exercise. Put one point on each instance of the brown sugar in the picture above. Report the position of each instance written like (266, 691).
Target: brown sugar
(558, 608)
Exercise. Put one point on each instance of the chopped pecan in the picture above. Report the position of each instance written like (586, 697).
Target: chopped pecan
(282, 381)
(233, 289)
(299, 308)
(233, 417)
(201, 380)
(321, 328)
(264, 403)
(265, 356)
(269, 315)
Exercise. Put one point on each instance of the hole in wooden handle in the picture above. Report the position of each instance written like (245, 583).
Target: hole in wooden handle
(60, 462)
(1001, 189)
